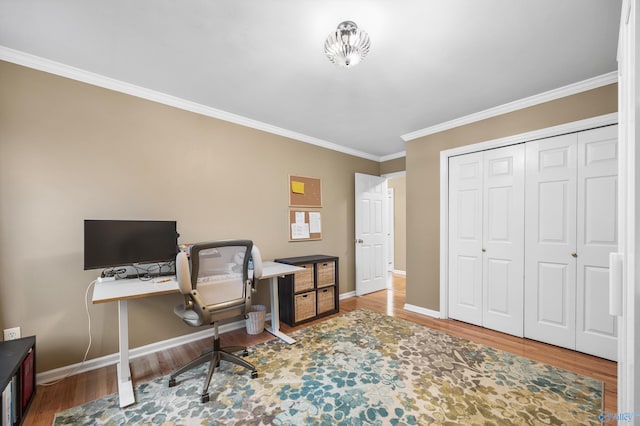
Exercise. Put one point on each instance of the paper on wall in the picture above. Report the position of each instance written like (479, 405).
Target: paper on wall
(299, 231)
(315, 225)
(297, 187)
(299, 217)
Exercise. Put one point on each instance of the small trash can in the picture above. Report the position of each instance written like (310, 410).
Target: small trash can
(255, 319)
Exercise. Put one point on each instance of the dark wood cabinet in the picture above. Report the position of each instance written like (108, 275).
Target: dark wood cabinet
(309, 294)
(17, 378)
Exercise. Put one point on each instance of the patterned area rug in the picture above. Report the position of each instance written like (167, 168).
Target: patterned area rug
(363, 368)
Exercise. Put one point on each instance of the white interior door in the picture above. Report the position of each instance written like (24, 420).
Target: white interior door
(503, 240)
(465, 238)
(371, 233)
(596, 329)
(550, 240)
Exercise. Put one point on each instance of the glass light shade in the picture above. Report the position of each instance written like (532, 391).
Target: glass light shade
(347, 45)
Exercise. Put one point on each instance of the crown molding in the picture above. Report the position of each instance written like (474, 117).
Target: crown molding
(57, 68)
(60, 69)
(393, 156)
(571, 89)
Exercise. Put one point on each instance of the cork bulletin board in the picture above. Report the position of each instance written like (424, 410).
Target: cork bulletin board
(305, 225)
(304, 191)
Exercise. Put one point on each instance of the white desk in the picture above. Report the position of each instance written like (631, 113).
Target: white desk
(273, 270)
(122, 290)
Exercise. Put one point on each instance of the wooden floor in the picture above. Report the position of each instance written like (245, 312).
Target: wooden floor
(88, 386)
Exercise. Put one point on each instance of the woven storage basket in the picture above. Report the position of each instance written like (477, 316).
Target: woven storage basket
(326, 300)
(326, 273)
(303, 280)
(255, 319)
(305, 305)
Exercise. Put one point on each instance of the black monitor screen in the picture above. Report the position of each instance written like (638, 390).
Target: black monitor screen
(110, 243)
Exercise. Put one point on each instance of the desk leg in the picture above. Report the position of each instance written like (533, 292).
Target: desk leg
(125, 385)
(275, 312)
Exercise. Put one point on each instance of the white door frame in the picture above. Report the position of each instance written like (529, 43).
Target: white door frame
(392, 229)
(391, 257)
(575, 126)
(629, 222)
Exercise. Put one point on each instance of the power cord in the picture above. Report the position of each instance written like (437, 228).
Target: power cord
(110, 273)
(86, 353)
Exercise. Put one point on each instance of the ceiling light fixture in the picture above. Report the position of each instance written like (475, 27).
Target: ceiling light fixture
(347, 45)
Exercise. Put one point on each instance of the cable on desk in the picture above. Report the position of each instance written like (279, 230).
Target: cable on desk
(112, 272)
(149, 272)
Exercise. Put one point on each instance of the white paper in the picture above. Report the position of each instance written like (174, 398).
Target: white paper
(299, 217)
(299, 230)
(314, 222)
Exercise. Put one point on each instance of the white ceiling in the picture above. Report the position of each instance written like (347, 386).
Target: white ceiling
(431, 61)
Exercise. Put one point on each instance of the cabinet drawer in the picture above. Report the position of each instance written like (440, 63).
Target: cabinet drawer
(305, 306)
(326, 300)
(303, 280)
(326, 273)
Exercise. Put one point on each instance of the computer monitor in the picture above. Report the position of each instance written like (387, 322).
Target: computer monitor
(111, 243)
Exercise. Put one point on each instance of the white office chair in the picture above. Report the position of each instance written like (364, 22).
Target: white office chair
(214, 279)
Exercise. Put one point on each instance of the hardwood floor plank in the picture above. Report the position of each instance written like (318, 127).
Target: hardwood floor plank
(95, 384)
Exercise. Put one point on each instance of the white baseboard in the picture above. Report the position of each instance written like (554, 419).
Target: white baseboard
(93, 364)
(347, 295)
(399, 272)
(422, 311)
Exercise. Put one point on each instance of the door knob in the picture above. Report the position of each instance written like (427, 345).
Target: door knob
(484, 250)
(574, 254)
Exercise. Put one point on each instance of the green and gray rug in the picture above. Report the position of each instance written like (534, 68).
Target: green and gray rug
(363, 368)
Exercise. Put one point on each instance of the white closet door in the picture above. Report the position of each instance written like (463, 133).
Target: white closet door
(465, 238)
(550, 240)
(596, 330)
(503, 235)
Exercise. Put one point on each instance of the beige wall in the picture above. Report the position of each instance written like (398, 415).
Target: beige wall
(71, 151)
(393, 166)
(399, 185)
(423, 177)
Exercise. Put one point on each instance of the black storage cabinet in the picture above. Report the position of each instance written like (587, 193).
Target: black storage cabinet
(18, 366)
(309, 294)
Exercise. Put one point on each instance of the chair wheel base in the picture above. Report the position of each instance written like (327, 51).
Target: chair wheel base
(204, 397)
(172, 382)
(254, 374)
(245, 353)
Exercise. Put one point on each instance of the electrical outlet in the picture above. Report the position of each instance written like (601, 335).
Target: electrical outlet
(12, 333)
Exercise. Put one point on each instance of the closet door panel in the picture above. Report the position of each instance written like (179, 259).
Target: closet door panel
(465, 238)
(503, 239)
(550, 240)
(597, 215)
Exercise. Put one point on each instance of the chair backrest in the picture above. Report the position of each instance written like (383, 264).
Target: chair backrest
(218, 284)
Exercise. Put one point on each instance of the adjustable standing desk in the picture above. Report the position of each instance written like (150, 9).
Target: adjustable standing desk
(123, 290)
(273, 270)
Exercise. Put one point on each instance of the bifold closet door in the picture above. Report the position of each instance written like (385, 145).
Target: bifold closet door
(570, 229)
(486, 232)
(550, 240)
(597, 217)
(503, 240)
(465, 238)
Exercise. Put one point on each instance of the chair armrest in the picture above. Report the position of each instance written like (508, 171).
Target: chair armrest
(198, 304)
